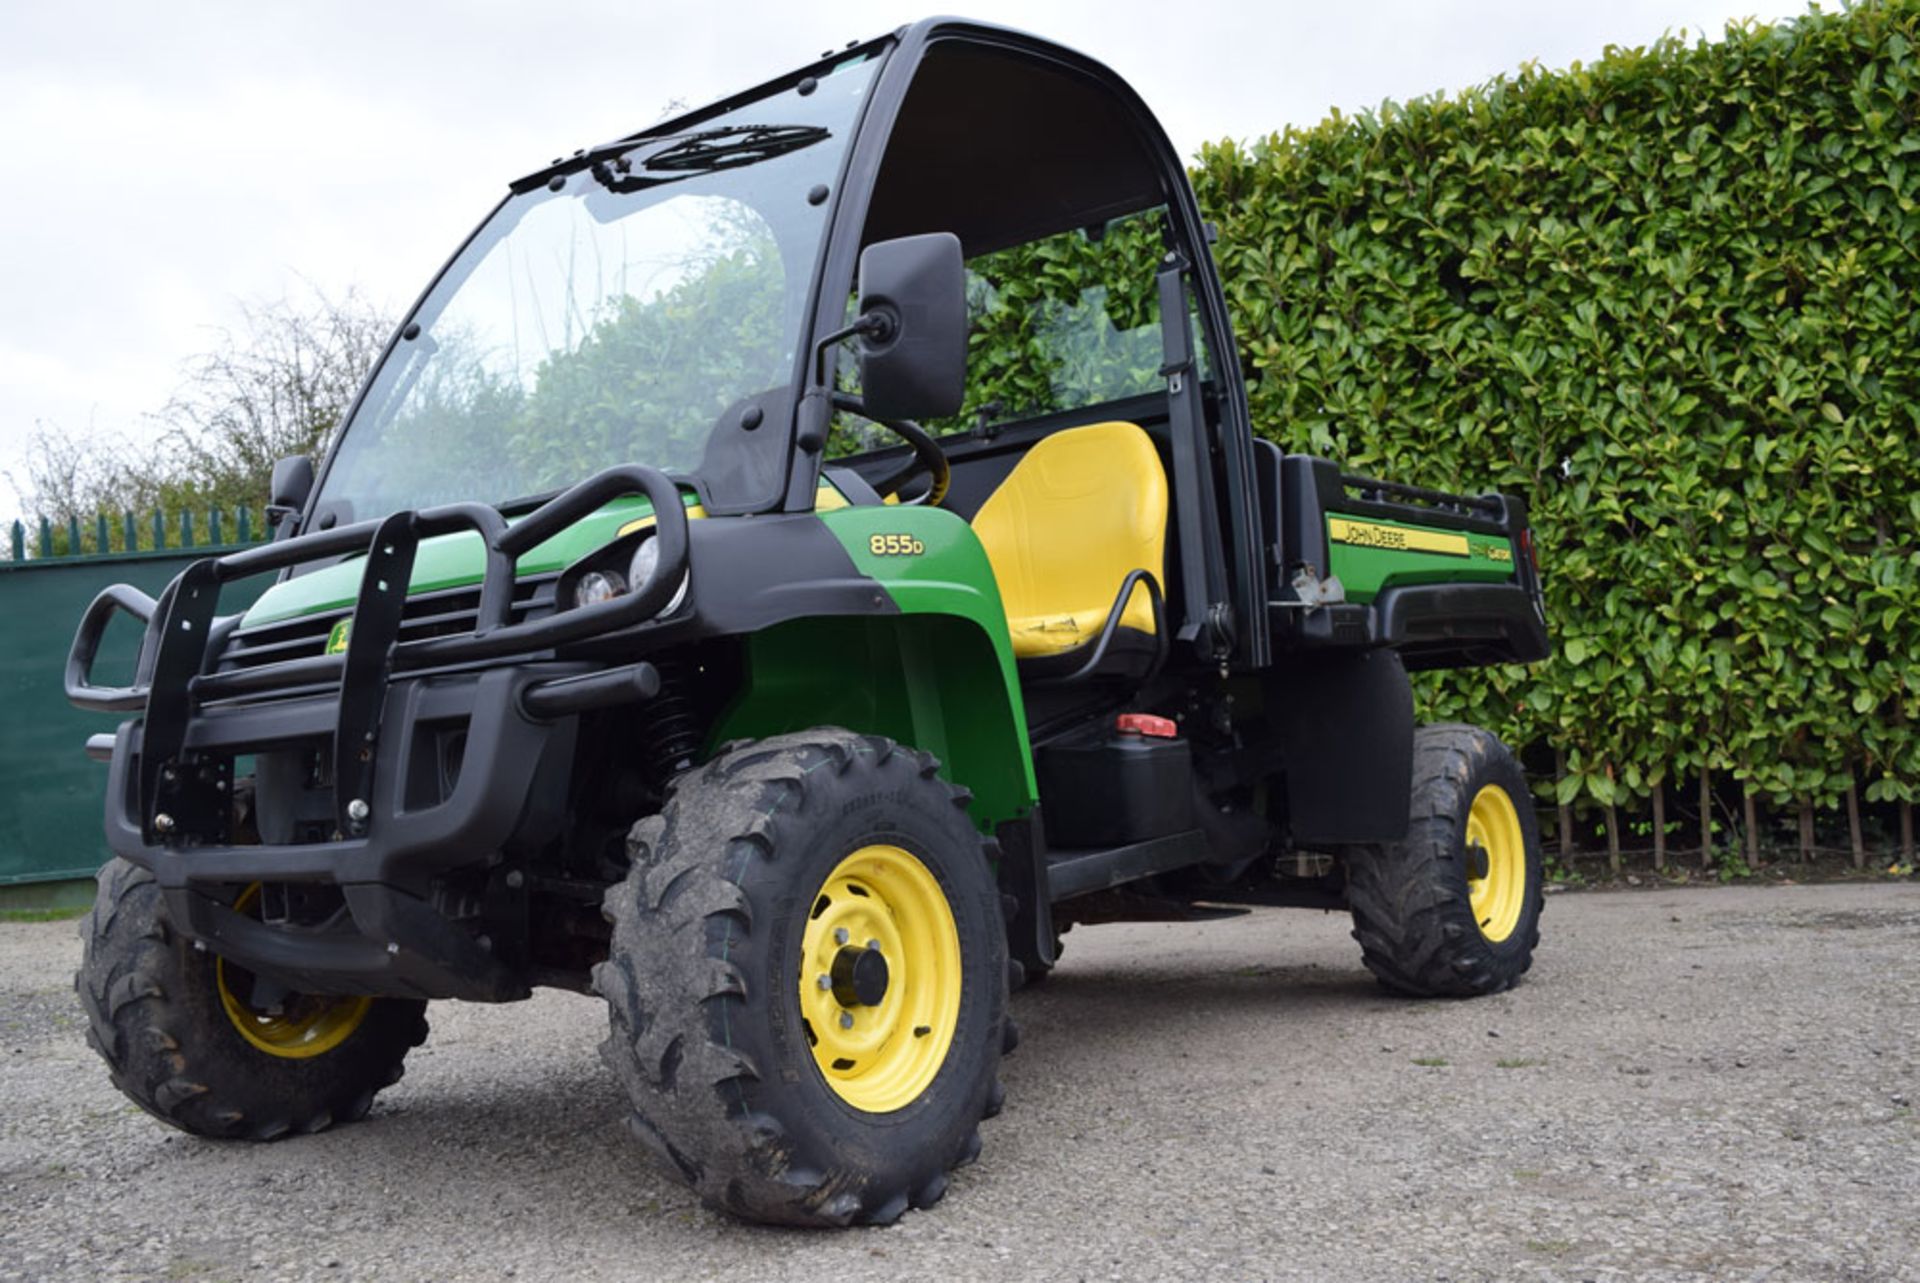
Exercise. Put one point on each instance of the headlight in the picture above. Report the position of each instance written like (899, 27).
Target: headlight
(645, 558)
(597, 586)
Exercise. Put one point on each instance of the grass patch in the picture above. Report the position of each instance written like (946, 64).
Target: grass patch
(40, 915)
(1516, 1062)
(1549, 1246)
(1431, 1062)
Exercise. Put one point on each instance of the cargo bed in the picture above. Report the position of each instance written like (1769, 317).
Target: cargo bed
(1445, 580)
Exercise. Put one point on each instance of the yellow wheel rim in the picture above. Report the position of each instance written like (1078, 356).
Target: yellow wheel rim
(1493, 825)
(302, 1025)
(880, 979)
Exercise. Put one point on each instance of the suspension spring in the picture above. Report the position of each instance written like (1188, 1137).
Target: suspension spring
(673, 733)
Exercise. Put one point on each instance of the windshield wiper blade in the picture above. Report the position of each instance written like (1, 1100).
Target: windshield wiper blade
(685, 155)
(733, 145)
(706, 152)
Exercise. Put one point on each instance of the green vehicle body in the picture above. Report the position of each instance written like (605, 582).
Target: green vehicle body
(951, 641)
(798, 669)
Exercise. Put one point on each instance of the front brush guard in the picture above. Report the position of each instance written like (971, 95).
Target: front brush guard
(185, 636)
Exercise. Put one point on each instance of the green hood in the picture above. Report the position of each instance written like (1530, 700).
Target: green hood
(447, 561)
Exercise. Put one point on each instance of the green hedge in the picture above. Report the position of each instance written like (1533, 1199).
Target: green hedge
(1669, 297)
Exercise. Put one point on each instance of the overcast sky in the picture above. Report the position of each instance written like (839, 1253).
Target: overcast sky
(165, 161)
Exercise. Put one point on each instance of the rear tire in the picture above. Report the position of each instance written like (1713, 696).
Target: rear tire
(1426, 927)
(161, 1017)
(726, 1029)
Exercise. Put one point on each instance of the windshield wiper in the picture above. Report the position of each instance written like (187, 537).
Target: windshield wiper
(707, 152)
(734, 145)
(704, 152)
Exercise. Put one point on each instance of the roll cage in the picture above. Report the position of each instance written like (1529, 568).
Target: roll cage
(941, 70)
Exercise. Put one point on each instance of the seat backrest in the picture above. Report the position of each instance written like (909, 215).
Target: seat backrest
(1082, 509)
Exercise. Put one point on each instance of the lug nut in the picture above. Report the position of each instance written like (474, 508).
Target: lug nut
(846, 1020)
(839, 935)
(163, 823)
(825, 982)
(358, 810)
(874, 945)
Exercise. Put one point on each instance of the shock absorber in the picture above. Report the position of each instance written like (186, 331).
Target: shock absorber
(673, 727)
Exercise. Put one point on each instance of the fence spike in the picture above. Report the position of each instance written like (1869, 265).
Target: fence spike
(74, 548)
(243, 525)
(46, 537)
(213, 528)
(100, 533)
(186, 527)
(19, 542)
(129, 532)
(159, 530)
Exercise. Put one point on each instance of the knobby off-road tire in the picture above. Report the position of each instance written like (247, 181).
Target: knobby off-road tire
(709, 979)
(1425, 928)
(155, 1014)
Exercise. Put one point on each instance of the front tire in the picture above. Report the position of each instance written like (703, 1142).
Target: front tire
(181, 1041)
(1453, 909)
(806, 982)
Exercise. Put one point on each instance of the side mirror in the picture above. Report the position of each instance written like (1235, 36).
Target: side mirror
(913, 327)
(292, 483)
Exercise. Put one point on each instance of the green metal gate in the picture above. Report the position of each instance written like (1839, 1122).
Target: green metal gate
(50, 792)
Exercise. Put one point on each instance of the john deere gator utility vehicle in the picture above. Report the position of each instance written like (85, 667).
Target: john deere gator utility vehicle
(792, 563)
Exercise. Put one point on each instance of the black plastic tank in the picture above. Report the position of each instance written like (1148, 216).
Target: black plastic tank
(1129, 784)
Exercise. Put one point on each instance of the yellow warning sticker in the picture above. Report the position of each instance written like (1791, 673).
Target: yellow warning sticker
(1367, 534)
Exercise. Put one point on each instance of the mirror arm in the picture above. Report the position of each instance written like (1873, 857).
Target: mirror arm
(282, 521)
(878, 325)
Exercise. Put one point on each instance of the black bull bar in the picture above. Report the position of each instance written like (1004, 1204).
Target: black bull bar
(168, 806)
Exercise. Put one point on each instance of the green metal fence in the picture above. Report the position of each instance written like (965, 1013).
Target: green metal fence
(50, 793)
(69, 539)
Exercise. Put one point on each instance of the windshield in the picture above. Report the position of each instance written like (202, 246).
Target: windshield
(633, 311)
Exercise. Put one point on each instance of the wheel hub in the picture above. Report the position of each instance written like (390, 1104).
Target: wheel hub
(1479, 863)
(859, 976)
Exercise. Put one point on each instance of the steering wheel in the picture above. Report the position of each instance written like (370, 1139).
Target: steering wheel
(928, 457)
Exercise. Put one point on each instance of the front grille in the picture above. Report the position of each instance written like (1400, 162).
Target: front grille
(434, 614)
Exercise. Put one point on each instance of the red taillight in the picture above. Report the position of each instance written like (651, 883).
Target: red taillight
(1526, 546)
(1147, 724)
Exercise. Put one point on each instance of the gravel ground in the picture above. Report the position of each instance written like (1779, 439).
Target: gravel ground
(1716, 1083)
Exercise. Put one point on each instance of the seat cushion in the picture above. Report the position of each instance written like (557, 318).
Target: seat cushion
(1084, 508)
